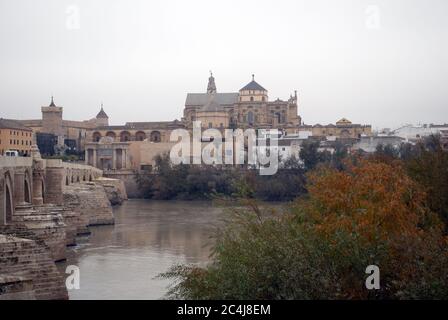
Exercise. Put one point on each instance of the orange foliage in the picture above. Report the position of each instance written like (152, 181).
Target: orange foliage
(372, 199)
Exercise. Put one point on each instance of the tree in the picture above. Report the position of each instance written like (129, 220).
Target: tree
(319, 246)
(309, 154)
(430, 169)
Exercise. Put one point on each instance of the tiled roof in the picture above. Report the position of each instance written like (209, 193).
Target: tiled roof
(253, 85)
(12, 124)
(201, 99)
(102, 114)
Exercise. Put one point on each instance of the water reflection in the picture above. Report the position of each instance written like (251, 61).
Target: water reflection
(121, 261)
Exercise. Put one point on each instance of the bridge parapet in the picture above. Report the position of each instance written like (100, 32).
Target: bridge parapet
(35, 181)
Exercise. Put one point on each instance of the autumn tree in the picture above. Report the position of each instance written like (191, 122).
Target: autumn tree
(318, 247)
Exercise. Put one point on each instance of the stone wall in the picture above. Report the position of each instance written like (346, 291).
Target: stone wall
(115, 189)
(16, 288)
(128, 177)
(25, 262)
(45, 225)
(90, 201)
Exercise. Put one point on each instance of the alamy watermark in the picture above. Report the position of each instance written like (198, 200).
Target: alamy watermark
(72, 21)
(373, 17)
(373, 280)
(237, 147)
(73, 279)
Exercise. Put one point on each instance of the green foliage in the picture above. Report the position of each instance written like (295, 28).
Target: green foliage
(430, 169)
(318, 247)
(309, 154)
(188, 182)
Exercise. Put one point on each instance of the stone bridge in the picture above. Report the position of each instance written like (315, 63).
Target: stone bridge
(44, 206)
(28, 181)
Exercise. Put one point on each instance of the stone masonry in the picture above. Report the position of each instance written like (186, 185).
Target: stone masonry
(91, 202)
(28, 271)
(115, 190)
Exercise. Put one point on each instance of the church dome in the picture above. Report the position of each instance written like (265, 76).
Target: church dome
(253, 85)
(102, 114)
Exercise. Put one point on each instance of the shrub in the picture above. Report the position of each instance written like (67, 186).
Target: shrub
(318, 247)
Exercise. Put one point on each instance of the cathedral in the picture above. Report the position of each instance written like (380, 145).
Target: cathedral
(248, 108)
(135, 144)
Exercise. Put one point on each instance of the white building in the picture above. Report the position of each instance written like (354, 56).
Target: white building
(369, 144)
(412, 133)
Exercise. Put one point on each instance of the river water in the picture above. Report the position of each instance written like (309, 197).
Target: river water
(122, 261)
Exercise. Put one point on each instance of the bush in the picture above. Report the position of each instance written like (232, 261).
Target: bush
(320, 246)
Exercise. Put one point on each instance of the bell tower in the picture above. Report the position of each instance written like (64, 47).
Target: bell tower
(211, 87)
(52, 119)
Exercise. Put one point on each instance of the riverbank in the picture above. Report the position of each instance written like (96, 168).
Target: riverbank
(121, 261)
(40, 235)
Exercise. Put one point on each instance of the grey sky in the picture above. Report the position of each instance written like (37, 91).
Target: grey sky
(142, 57)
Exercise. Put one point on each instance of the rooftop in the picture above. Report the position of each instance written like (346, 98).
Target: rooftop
(102, 114)
(253, 85)
(12, 124)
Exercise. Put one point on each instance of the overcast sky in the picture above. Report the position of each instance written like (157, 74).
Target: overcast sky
(378, 62)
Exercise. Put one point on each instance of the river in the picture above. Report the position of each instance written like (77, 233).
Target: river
(122, 261)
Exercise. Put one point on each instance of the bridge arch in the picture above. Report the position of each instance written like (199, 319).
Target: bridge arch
(42, 181)
(8, 206)
(27, 188)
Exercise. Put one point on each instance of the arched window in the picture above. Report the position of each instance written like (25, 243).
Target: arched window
(250, 117)
(155, 136)
(111, 134)
(278, 116)
(140, 136)
(96, 136)
(251, 98)
(125, 136)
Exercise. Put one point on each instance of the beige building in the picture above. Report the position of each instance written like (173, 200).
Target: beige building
(248, 108)
(135, 144)
(15, 136)
(107, 154)
(52, 122)
(343, 129)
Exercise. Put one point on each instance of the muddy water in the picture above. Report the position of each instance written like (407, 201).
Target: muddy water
(122, 261)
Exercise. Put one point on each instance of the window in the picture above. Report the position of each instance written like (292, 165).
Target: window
(250, 117)
(210, 125)
(251, 98)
